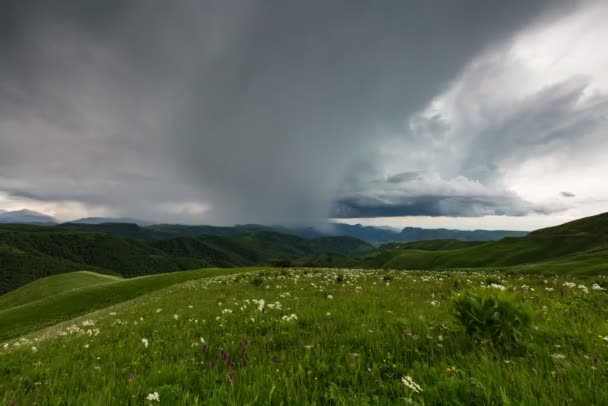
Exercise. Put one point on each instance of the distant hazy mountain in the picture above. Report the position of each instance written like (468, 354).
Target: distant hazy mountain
(408, 234)
(102, 220)
(24, 217)
(143, 230)
(422, 234)
(367, 233)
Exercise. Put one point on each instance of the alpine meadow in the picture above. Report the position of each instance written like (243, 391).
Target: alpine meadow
(341, 202)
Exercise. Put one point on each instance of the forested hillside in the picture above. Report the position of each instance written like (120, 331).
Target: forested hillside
(29, 252)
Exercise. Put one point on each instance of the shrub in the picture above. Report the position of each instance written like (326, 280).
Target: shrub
(493, 316)
(258, 281)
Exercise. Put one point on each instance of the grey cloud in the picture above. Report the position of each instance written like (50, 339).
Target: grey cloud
(258, 108)
(431, 195)
(567, 194)
(556, 119)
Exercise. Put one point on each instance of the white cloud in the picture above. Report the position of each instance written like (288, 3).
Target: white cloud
(526, 119)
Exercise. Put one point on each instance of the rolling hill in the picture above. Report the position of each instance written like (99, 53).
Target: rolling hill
(53, 285)
(29, 308)
(583, 242)
(30, 252)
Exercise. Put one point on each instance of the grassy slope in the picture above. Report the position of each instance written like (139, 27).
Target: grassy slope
(590, 264)
(434, 245)
(19, 320)
(53, 285)
(583, 242)
(507, 252)
(352, 349)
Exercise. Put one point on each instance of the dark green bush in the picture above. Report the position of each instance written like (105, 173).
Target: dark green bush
(494, 316)
(258, 281)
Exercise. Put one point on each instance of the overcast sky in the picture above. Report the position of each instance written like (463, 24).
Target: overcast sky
(463, 114)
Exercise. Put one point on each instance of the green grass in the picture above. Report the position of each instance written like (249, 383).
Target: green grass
(354, 336)
(583, 264)
(53, 285)
(50, 310)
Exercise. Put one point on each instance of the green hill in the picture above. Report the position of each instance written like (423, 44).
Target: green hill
(586, 227)
(53, 285)
(31, 252)
(583, 242)
(44, 311)
(433, 245)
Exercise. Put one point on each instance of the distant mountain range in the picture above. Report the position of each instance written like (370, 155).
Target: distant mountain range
(409, 234)
(101, 220)
(147, 230)
(29, 252)
(24, 217)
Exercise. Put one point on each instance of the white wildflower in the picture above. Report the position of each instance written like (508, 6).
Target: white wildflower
(86, 346)
(597, 287)
(175, 316)
(558, 356)
(549, 289)
(569, 284)
(34, 349)
(330, 297)
(153, 397)
(159, 310)
(145, 342)
(290, 317)
(409, 382)
(497, 286)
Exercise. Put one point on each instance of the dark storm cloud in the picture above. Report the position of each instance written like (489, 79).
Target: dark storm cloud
(258, 108)
(436, 205)
(418, 194)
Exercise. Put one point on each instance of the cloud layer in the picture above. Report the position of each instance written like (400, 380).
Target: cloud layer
(278, 111)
